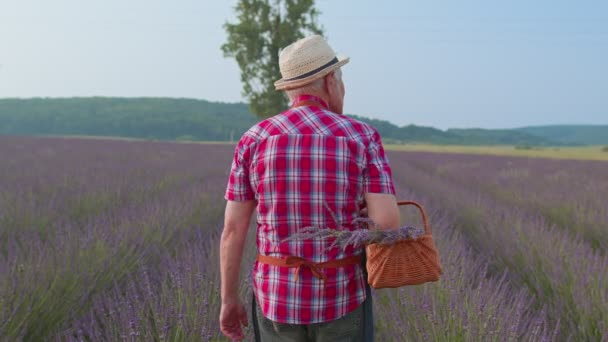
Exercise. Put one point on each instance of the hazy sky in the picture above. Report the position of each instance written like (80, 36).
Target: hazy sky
(491, 64)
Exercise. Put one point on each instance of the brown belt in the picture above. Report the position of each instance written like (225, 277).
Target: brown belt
(297, 262)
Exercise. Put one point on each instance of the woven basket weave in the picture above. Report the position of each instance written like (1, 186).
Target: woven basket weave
(407, 262)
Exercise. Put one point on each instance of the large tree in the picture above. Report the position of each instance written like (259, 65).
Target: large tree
(262, 28)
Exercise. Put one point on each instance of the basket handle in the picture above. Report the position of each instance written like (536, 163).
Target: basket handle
(427, 228)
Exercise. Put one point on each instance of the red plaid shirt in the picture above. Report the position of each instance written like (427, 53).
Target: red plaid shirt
(307, 167)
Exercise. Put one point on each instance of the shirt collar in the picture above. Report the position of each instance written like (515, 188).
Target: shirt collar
(310, 98)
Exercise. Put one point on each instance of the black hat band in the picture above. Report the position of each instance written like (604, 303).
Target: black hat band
(310, 73)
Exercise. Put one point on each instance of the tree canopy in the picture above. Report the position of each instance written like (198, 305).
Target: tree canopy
(263, 27)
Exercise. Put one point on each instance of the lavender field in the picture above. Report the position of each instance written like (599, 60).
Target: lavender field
(107, 240)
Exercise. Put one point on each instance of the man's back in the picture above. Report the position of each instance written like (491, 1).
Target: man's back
(307, 167)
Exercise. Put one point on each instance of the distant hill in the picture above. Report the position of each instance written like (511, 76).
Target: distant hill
(421, 134)
(478, 136)
(189, 119)
(571, 134)
(148, 118)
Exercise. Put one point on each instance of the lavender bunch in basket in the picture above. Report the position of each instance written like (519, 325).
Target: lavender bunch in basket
(361, 236)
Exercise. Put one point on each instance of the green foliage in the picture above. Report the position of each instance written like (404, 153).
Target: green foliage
(605, 149)
(392, 133)
(477, 136)
(571, 134)
(150, 118)
(263, 27)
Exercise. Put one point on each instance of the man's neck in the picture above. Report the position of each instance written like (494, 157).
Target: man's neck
(311, 97)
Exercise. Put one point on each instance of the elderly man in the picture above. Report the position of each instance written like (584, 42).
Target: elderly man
(310, 166)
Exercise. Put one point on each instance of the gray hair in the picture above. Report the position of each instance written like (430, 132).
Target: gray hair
(315, 87)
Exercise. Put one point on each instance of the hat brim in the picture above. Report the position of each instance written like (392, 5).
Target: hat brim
(286, 85)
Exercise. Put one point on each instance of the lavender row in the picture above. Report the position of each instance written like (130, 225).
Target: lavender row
(567, 193)
(564, 273)
(52, 268)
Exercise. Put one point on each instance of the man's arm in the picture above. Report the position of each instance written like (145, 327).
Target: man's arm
(383, 210)
(378, 187)
(236, 224)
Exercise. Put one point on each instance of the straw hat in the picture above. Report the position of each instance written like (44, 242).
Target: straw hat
(306, 60)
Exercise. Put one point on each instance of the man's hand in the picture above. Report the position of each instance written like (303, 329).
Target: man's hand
(383, 210)
(232, 316)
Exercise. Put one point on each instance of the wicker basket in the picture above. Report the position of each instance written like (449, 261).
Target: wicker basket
(407, 262)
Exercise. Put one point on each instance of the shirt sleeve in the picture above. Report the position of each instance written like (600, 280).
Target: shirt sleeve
(239, 187)
(378, 178)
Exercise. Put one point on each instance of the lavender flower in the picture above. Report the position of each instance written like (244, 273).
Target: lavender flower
(358, 237)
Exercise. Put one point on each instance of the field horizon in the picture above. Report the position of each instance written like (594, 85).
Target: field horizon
(594, 152)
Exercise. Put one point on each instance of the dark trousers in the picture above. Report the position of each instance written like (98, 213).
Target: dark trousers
(356, 326)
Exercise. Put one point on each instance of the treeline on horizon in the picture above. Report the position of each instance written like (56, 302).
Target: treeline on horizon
(190, 119)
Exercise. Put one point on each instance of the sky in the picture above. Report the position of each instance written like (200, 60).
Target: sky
(456, 64)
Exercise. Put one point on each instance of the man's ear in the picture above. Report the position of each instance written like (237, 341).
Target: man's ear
(329, 82)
